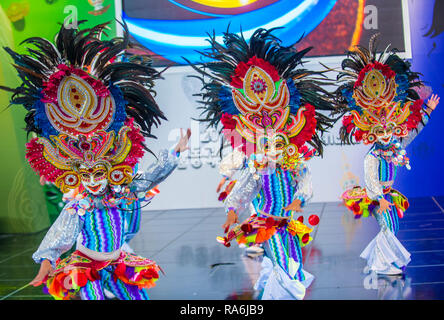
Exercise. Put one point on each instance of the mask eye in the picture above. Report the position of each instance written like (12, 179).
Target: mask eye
(84, 176)
(99, 174)
(379, 131)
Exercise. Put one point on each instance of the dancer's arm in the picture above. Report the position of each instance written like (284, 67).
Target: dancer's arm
(244, 191)
(373, 186)
(304, 189)
(60, 238)
(160, 170)
(371, 177)
(426, 112)
(229, 165)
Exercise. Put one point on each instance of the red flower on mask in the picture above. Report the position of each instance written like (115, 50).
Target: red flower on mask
(309, 129)
(50, 87)
(227, 121)
(242, 68)
(137, 139)
(348, 123)
(415, 114)
(306, 153)
(385, 70)
(358, 134)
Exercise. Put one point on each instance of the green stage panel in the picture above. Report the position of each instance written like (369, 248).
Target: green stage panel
(42, 18)
(25, 205)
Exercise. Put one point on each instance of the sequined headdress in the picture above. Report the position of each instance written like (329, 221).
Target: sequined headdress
(379, 91)
(259, 91)
(86, 104)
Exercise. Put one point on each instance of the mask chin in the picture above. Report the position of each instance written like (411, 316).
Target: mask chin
(275, 157)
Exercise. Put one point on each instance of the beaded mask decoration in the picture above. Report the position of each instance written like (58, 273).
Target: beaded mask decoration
(265, 103)
(59, 158)
(380, 96)
(90, 109)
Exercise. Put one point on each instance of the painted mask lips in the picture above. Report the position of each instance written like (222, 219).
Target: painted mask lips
(95, 188)
(386, 139)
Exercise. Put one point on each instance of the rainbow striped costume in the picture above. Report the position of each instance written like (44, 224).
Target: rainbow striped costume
(385, 108)
(99, 230)
(380, 168)
(282, 275)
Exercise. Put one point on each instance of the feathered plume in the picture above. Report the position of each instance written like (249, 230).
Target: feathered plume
(131, 82)
(217, 76)
(358, 62)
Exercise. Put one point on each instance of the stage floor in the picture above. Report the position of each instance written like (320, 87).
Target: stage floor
(183, 243)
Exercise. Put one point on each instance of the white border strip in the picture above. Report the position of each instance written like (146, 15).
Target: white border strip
(407, 54)
(118, 13)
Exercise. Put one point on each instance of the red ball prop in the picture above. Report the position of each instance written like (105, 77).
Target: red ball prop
(313, 219)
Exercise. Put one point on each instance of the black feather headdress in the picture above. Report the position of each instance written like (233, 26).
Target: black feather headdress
(129, 81)
(88, 102)
(227, 96)
(377, 88)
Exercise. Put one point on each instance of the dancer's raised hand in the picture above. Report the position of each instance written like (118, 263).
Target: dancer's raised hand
(45, 270)
(294, 206)
(232, 218)
(182, 145)
(221, 184)
(384, 205)
(433, 102)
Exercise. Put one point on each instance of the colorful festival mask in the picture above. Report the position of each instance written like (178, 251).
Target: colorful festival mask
(380, 95)
(264, 103)
(91, 110)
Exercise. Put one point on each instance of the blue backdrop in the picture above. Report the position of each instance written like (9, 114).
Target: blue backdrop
(426, 151)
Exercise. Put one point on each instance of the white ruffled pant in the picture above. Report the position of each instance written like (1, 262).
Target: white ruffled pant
(384, 251)
(277, 285)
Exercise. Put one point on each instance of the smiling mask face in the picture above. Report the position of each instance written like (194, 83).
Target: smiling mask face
(273, 146)
(278, 150)
(384, 134)
(95, 179)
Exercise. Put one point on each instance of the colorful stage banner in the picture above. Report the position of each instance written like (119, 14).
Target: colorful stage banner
(25, 205)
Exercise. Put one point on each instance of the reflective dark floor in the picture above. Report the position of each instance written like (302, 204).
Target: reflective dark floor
(197, 267)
